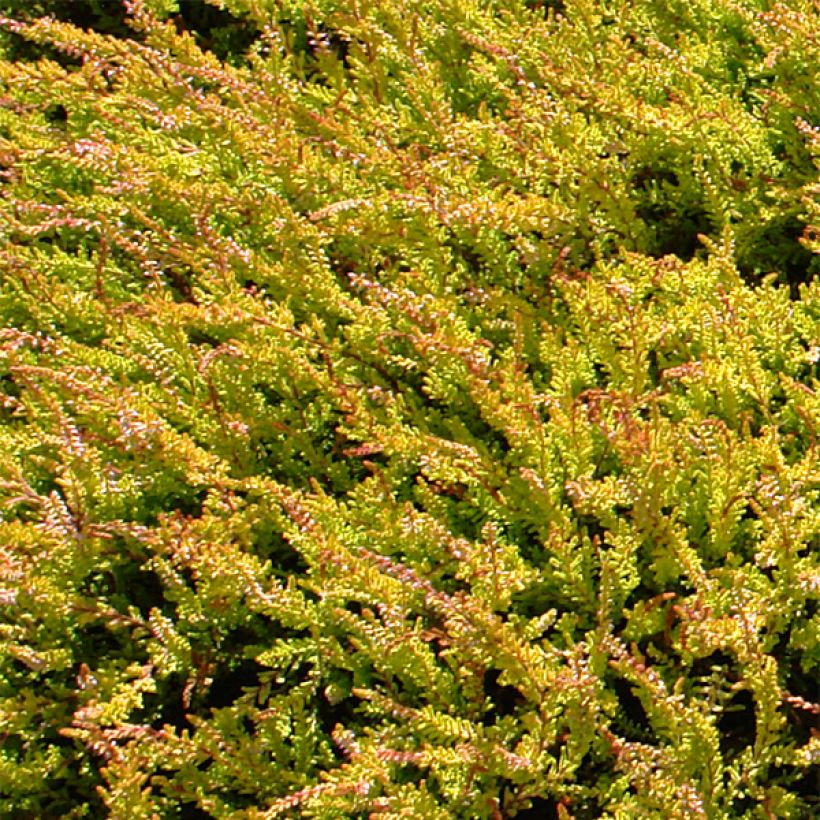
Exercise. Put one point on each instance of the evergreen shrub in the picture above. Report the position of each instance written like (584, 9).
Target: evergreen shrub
(410, 409)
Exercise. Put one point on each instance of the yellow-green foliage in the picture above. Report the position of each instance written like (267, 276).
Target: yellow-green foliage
(416, 416)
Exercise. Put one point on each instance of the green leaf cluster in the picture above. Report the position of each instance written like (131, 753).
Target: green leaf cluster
(414, 414)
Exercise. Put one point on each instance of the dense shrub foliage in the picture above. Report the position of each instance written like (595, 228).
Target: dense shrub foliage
(409, 409)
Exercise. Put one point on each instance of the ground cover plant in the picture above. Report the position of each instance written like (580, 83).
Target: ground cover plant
(409, 409)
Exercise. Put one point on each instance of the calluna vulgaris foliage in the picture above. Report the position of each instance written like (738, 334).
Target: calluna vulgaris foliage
(415, 414)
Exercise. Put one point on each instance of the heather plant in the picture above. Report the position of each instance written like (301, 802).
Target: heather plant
(412, 414)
